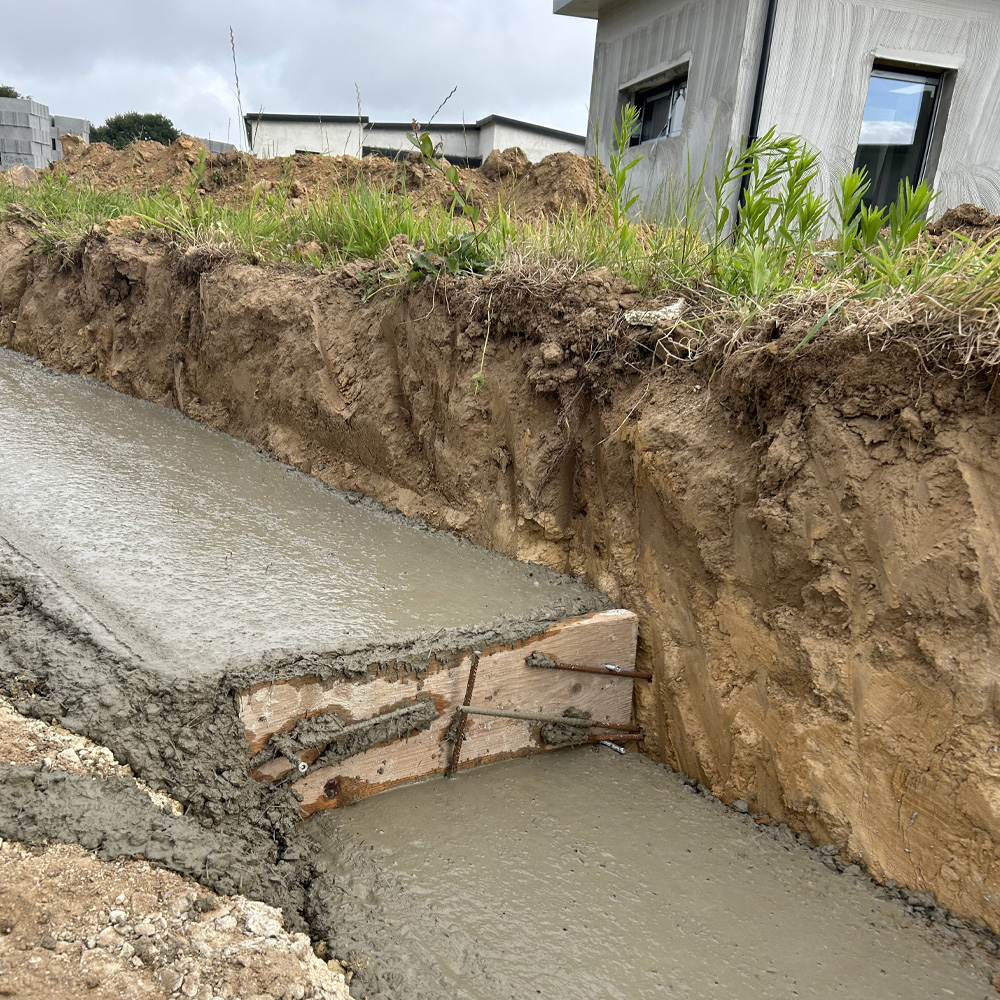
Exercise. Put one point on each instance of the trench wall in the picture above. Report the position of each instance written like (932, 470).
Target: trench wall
(810, 544)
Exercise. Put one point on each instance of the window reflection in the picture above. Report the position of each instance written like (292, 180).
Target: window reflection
(661, 111)
(895, 132)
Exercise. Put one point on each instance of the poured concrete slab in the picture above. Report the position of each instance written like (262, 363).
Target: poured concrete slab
(181, 553)
(195, 550)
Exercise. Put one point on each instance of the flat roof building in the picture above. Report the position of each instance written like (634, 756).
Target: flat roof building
(353, 135)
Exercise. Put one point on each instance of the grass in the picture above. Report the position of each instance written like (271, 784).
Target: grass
(837, 261)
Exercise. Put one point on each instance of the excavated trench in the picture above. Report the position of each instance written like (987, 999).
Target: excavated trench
(188, 566)
(156, 576)
(809, 545)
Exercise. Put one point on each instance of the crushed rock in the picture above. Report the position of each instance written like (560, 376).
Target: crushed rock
(129, 929)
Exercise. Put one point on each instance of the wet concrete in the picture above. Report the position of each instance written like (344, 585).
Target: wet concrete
(194, 550)
(584, 874)
(150, 569)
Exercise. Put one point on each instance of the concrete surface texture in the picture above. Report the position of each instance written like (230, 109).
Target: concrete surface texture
(817, 81)
(533, 878)
(642, 43)
(150, 569)
(337, 135)
(193, 550)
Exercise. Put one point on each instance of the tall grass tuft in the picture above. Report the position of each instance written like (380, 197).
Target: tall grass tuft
(784, 242)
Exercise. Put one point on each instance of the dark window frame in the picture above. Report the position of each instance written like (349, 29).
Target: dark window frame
(942, 79)
(676, 90)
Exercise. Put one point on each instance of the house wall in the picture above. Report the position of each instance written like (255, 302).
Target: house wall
(640, 39)
(818, 82)
(453, 143)
(536, 145)
(283, 138)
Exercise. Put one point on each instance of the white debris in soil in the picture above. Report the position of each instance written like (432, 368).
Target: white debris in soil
(25, 741)
(129, 929)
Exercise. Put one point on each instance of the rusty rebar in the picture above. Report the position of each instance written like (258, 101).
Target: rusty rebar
(456, 752)
(567, 720)
(622, 728)
(608, 670)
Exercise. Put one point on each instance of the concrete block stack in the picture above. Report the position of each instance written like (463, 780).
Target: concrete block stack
(29, 135)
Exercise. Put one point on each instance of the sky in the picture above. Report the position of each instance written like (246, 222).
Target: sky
(96, 58)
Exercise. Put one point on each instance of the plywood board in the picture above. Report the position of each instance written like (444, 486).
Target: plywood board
(503, 681)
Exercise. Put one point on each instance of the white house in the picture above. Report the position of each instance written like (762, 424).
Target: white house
(335, 135)
(906, 88)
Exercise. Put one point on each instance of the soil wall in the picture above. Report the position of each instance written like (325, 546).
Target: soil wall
(811, 542)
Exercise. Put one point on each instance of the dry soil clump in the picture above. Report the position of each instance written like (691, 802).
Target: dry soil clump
(70, 921)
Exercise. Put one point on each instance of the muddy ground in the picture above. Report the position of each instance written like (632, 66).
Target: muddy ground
(810, 543)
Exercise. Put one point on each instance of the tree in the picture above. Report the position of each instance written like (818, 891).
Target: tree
(6, 91)
(121, 130)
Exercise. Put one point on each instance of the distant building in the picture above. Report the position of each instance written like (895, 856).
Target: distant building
(336, 135)
(905, 88)
(30, 135)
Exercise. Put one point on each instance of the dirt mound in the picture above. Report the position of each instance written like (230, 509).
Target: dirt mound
(558, 183)
(967, 220)
(72, 925)
(142, 166)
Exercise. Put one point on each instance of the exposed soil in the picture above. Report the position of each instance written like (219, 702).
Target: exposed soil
(70, 921)
(559, 182)
(810, 543)
(972, 221)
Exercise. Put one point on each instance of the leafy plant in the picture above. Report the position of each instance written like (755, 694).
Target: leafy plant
(907, 215)
(622, 198)
(461, 197)
(457, 253)
(849, 214)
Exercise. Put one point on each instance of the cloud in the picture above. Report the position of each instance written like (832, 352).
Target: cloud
(887, 133)
(510, 57)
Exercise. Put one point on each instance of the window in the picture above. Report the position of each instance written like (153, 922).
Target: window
(661, 111)
(896, 129)
(53, 144)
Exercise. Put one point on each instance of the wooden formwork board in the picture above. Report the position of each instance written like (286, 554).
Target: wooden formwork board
(503, 681)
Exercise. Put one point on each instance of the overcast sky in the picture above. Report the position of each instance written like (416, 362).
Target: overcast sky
(95, 58)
